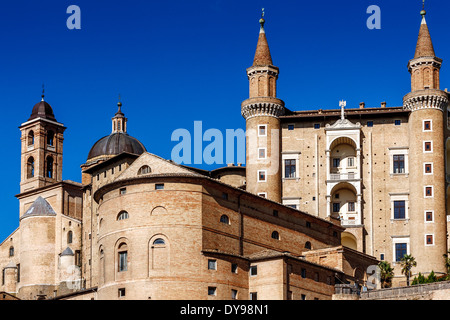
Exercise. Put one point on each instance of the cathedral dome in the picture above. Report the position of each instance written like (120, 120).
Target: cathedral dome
(117, 142)
(114, 144)
(42, 110)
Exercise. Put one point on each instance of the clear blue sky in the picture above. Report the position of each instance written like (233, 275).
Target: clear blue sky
(176, 62)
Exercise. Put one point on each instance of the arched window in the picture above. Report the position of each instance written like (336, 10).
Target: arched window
(144, 170)
(159, 241)
(224, 219)
(308, 245)
(123, 215)
(122, 257)
(30, 167)
(275, 235)
(11, 251)
(49, 169)
(69, 237)
(50, 138)
(31, 138)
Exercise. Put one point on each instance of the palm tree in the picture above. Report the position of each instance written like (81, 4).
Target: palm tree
(386, 274)
(408, 262)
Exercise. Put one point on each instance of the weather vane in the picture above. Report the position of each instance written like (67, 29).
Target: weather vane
(262, 13)
(43, 91)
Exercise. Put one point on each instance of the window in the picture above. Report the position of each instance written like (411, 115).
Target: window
(11, 251)
(308, 245)
(122, 215)
(212, 291)
(336, 162)
(291, 127)
(234, 294)
(429, 240)
(253, 296)
(263, 194)
(316, 277)
(428, 146)
(428, 192)
(262, 176)
(293, 206)
(123, 257)
(262, 153)
(159, 186)
(289, 168)
(428, 168)
(427, 125)
(429, 216)
(370, 124)
(382, 257)
(335, 234)
(144, 170)
(30, 138)
(303, 273)
(212, 264)
(399, 210)
(351, 207)
(50, 138)
(336, 207)
(30, 167)
(225, 196)
(234, 268)
(69, 237)
(121, 292)
(275, 235)
(399, 164)
(123, 191)
(159, 242)
(303, 297)
(351, 162)
(254, 270)
(224, 219)
(400, 251)
(275, 213)
(317, 126)
(308, 224)
(262, 130)
(398, 122)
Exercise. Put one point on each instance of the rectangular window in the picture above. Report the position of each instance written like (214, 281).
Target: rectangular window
(351, 162)
(254, 270)
(429, 239)
(234, 268)
(400, 251)
(262, 153)
(303, 273)
(336, 162)
(289, 168)
(293, 206)
(212, 264)
(370, 124)
(212, 291)
(123, 261)
(159, 186)
(123, 191)
(262, 194)
(336, 207)
(253, 296)
(121, 292)
(275, 213)
(317, 126)
(429, 216)
(399, 164)
(428, 168)
(427, 146)
(291, 127)
(303, 297)
(398, 122)
(399, 210)
(234, 294)
(382, 257)
(262, 130)
(262, 176)
(225, 196)
(428, 192)
(427, 125)
(351, 207)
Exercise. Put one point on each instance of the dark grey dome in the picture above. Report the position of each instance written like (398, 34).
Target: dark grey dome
(42, 110)
(115, 144)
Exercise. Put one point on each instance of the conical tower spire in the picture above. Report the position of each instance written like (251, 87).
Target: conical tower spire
(262, 54)
(424, 46)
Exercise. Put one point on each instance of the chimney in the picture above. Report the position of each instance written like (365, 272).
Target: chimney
(362, 105)
(383, 104)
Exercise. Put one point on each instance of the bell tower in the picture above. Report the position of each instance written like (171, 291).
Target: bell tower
(261, 112)
(42, 148)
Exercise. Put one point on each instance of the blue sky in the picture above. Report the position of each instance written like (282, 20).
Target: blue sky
(176, 62)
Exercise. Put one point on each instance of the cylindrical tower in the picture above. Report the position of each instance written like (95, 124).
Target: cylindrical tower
(261, 112)
(10, 278)
(427, 103)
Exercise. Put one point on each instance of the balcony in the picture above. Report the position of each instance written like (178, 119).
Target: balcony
(343, 176)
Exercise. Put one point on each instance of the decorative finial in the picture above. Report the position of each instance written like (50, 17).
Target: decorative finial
(262, 21)
(423, 12)
(43, 91)
(119, 103)
(342, 104)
